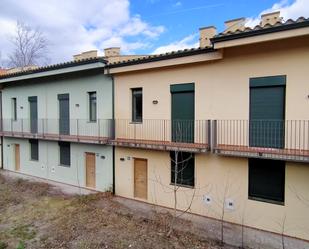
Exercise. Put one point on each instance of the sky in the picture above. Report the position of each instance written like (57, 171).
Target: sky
(137, 26)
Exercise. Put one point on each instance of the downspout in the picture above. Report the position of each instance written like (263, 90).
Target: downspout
(113, 122)
(1, 126)
(113, 127)
(113, 110)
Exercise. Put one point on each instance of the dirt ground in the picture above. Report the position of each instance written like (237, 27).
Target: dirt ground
(36, 215)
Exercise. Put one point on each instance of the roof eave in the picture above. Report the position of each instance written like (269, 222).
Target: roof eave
(155, 58)
(47, 72)
(252, 33)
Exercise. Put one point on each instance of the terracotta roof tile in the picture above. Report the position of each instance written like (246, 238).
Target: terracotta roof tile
(267, 26)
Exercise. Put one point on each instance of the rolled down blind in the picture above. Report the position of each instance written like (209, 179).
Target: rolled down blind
(65, 153)
(185, 167)
(267, 112)
(33, 103)
(267, 179)
(64, 114)
(34, 149)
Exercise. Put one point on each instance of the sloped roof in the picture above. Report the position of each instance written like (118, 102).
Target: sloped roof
(224, 36)
(259, 30)
(55, 67)
(157, 57)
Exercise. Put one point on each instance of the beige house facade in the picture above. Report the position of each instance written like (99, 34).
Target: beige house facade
(220, 132)
(248, 154)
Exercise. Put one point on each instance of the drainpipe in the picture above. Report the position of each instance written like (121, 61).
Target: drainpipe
(1, 126)
(113, 126)
(113, 123)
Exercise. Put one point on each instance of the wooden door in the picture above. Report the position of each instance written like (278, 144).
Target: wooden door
(17, 157)
(140, 178)
(90, 170)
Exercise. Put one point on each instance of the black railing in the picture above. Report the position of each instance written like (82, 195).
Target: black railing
(73, 129)
(184, 133)
(287, 139)
(181, 133)
(277, 139)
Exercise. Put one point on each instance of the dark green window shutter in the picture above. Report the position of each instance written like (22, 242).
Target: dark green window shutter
(182, 113)
(33, 106)
(137, 104)
(266, 179)
(34, 149)
(185, 168)
(186, 87)
(14, 104)
(64, 114)
(65, 153)
(92, 106)
(267, 112)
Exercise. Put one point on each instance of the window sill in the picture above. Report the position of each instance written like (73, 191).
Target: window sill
(136, 122)
(92, 122)
(182, 185)
(63, 165)
(34, 160)
(266, 200)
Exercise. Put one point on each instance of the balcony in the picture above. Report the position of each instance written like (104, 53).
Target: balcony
(72, 130)
(160, 134)
(270, 139)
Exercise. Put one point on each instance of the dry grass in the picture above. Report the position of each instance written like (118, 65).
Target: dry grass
(33, 215)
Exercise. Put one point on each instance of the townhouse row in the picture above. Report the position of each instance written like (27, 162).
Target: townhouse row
(228, 123)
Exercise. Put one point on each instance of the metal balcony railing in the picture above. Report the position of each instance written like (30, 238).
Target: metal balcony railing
(274, 139)
(56, 129)
(163, 134)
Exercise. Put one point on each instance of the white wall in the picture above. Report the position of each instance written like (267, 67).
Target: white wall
(48, 165)
(47, 91)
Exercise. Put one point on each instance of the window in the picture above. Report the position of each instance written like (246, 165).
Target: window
(14, 109)
(137, 105)
(65, 153)
(266, 180)
(34, 149)
(92, 106)
(185, 168)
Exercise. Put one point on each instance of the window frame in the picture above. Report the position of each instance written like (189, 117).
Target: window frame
(61, 145)
(14, 108)
(90, 106)
(281, 166)
(34, 142)
(182, 182)
(134, 117)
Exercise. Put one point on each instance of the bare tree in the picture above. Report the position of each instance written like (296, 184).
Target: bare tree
(30, 47)
(1, 61)
(179, 167)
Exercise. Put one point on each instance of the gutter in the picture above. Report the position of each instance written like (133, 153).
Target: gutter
(54, 70)
(167, 56)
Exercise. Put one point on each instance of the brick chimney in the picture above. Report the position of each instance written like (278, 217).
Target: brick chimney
(235, 24)
(114, 51)
(86, 55)
(270, 18)
(206, 34)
